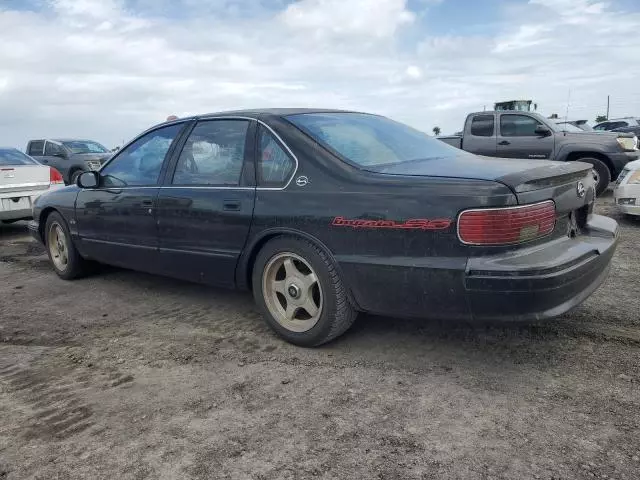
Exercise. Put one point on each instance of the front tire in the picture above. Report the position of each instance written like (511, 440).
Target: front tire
(601, 171)
(63, 255)
(74, 177)
(300, 293)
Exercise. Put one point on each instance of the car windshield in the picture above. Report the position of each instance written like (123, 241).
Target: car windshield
(371, 140)
(568, 127)
(11, 156)
(81, 146)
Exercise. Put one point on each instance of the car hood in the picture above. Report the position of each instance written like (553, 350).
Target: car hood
(595, 137)
(512, 172)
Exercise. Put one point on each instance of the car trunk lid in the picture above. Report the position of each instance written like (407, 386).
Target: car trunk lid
(17, 178)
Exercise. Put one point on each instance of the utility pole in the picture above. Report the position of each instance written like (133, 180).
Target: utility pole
(607, 107)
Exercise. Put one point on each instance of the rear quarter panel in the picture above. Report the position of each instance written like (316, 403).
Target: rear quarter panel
(389, 270)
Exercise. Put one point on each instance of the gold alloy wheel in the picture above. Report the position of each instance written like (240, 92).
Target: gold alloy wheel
(58, 248)
(292, 293)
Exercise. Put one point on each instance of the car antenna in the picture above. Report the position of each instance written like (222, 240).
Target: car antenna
(566, 118)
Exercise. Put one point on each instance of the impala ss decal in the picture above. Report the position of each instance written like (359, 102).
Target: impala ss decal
(412, 224)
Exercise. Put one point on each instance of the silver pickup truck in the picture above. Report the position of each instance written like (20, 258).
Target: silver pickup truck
(529, 135)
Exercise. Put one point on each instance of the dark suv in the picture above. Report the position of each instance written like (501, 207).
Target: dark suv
(69, 156)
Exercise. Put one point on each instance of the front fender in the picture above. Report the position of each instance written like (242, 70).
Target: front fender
(567, 149)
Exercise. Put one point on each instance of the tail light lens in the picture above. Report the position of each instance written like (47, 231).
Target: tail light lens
(507, 226)
(55, 176)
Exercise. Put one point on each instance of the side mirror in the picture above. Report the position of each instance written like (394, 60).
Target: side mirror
(542, 130)
(89, 180)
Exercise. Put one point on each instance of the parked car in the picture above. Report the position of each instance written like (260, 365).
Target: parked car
(581, 124)
(70, 157)
(634, 130)
(615, 123)
(627, 191)
(530, 135)
(22, 180)
(323, 214)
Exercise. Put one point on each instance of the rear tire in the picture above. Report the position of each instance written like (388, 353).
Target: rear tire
(300, 293)
(63, 255)
(602, 173)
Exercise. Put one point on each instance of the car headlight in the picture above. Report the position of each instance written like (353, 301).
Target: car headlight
(628, 143)
(634, 178)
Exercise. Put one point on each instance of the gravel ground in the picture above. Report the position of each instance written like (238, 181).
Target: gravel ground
(128, 376)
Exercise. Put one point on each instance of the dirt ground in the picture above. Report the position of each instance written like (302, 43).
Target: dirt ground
(129, 376)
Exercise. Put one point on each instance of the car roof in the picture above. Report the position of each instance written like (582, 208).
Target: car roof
(257, 112)
(70, 140)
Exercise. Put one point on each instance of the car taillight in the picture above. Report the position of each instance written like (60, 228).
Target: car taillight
(55, 176)
(507, 226)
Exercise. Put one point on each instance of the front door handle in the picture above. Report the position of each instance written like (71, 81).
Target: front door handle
(147, 203)
(231, 205)
(504, 142)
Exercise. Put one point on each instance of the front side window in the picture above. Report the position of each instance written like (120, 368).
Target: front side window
(274, 164)
(482, 126)
(518, 126)
(11, 156)
(213, 154)
(140, 163)
(84, 146)
(36, 147)
(371, 142)
(51, 149)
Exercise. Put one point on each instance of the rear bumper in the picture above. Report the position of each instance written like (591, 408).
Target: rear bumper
(539, 282)
(544, 282)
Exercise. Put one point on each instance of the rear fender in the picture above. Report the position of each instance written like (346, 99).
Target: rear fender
(244, 269)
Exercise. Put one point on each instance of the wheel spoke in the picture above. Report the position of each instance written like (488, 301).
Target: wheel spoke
(290, 311)
(279, 286)
(309, 281)
(289, 267)
(310, 307)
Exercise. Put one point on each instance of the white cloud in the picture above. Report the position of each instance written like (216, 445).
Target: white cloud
(362, 18)
(102, 69)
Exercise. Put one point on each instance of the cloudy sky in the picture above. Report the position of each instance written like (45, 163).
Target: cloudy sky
(106, 69)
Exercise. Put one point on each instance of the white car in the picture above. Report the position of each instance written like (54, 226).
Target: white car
(627, 191)
(22, 180)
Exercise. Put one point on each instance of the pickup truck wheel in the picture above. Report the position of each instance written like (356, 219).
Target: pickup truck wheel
(601, 173)
(65, 259)
(300, 293)
(74, 176)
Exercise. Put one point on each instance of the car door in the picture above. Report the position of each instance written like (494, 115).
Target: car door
(56, 156)
(117, 221)
(517, 138)
(480, 135)
(205, 205)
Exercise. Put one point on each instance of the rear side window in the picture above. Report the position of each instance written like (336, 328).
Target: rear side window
(10, 156)
(213, 154)
(518, 126)
(613, 125)
(482, 126)
(36, 147)
(275, 165)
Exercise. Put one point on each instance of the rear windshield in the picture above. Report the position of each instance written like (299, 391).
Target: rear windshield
(370, 140)
(80, 147)
(11, 156)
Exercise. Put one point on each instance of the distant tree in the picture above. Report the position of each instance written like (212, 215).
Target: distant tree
(436, 131)
(601, 118)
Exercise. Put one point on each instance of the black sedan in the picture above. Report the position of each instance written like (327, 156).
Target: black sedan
(323, 214)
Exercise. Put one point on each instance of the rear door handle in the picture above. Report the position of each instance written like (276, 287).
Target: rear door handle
(504, 142)
(231, 205)
(147, 203)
